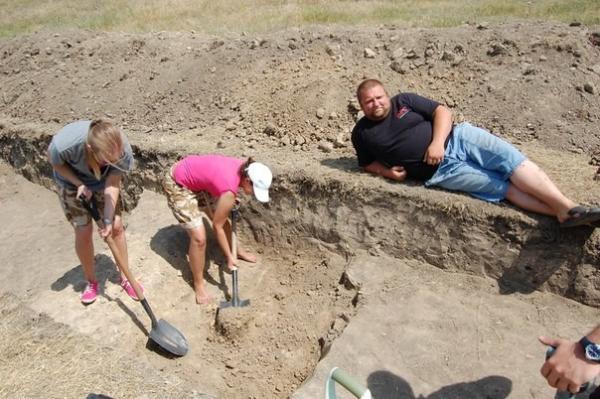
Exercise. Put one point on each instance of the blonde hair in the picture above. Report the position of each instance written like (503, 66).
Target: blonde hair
(103, 139)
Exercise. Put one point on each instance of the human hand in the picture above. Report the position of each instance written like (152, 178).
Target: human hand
(84, 192)
(567, 369)
(397, 173)
(231, 263)
(105, 231)
(434, 154)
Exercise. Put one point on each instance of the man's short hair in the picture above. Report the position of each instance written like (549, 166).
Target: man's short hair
(366, 85)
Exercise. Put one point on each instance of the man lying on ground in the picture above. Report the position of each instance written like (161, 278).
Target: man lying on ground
(409, 136)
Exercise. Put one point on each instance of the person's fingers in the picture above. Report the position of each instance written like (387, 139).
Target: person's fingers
(552, 379)
(545, 370)
(562, 384)
(86, 193)
(549, 341)
(105, 232)
(573, 388)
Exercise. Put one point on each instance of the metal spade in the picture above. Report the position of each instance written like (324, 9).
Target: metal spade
(235, 302)
(162, 333)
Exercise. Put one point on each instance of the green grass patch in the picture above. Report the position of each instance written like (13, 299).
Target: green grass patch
(209, 16)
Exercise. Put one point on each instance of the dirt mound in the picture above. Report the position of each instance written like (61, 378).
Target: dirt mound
(294, 89)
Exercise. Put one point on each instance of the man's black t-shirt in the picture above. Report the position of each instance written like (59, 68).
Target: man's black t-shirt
(401, 139)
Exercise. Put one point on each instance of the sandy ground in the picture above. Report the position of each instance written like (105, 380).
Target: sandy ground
(426, 333)
(415, 330)
(432, 269)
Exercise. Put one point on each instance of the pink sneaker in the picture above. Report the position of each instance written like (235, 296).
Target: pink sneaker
(90, 293)
(126, 285)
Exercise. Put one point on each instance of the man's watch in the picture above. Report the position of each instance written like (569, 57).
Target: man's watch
(107, 221)
(591, 350)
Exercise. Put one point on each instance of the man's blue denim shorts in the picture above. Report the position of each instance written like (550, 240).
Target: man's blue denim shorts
(477, 162)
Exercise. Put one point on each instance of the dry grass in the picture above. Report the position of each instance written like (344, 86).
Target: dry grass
(208, 16)
(45, 359)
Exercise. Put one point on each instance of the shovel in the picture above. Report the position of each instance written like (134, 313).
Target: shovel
(236, 302)
(162, 333)
(344, 379)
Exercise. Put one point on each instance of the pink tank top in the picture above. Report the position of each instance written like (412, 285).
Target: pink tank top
(215, 174)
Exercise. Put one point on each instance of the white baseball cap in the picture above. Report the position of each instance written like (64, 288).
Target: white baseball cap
(261, 178)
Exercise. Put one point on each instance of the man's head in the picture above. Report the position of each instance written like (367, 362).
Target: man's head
(373, 99)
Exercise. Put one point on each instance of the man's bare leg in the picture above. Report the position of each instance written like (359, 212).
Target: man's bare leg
(527, 202)
(529, 179)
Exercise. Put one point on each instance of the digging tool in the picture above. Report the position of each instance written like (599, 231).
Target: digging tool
(163, 333)
(235, 302)
(344, 379)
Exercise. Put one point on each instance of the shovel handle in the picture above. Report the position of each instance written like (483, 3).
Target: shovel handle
(235, 298)
(121, 262)
(234, 214)
(347, 381)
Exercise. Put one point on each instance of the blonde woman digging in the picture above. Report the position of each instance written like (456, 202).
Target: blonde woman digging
(89, 159)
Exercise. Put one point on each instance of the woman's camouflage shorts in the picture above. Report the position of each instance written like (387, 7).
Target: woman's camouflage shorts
(184, 203)
(75, 213)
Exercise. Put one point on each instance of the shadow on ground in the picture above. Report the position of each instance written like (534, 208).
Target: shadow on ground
(106, 270)
(386, 385)
(345, 164)
(171, 243)
(543, 255)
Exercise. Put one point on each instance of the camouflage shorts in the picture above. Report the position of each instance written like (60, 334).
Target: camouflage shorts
(75, 213)
(186, 205)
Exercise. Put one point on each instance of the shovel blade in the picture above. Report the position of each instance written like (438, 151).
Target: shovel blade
(169, 338)
(240, 304)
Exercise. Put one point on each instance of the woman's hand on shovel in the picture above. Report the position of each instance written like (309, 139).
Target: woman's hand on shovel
(84, 193)
(231, 263)
(105, 231)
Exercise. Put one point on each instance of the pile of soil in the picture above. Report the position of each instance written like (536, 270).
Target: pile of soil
(294, 90)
